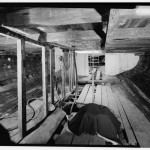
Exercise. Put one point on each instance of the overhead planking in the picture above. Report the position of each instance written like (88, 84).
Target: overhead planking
(63, 28)
(84, 45)
(128, 45)
(72, 36)
(52, 16)
(127, 31)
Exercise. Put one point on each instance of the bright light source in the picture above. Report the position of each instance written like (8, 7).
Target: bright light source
(89, 52)
(143, 10)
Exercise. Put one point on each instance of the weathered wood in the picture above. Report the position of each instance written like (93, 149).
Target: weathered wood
(72, 35)
(10, 33)
(128, 129)
(88, 98)
(113, 105)
(95, 140)
(124, 18)
(52, 16)
(127, 31)
(130, 44)
(98, 95)
(84, 81)
(45, 131)
(83, 94)
(52, 64)
(63, 72)
(44, 81)
(138, 121)
(83, 139)
(21, 81)
(83, 44)
(104, 96)
(71, 72)
(98, 75)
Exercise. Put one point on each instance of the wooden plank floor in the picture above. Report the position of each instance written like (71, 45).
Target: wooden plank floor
(133, 122)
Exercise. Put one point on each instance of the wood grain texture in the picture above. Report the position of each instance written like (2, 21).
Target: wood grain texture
(52, 16)
(127, 31)
(83, 94)
(45, 131)
(104, 96)
(138, 121)
(128, 128)
(98, 95)
(113, 105)
(21, 90)
(88, 98)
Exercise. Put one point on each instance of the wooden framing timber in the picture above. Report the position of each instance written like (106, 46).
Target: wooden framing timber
(71, 71)
(21, 75)
(52, 64)
(63, 78)
(10, 33)
(21, 81)
(44, 81)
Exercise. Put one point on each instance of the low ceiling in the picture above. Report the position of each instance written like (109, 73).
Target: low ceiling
(129, 30)
(84, 28)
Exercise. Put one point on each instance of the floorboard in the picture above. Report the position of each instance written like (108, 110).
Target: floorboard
(104, 96)
(113, 105)
(83, 94)
(138, 121)
(88, 98)
(128, 129)
(98, 95)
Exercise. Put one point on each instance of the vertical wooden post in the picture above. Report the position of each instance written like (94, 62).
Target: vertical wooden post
(52, 65)
(44, 81)
(74, 75)
(21, 81)
(71, 72)
(63, 78)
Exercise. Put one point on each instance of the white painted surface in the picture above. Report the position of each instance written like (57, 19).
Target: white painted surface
(116, 63)
(82, 64)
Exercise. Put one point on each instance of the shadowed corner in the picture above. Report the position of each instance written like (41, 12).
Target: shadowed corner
(5, 138)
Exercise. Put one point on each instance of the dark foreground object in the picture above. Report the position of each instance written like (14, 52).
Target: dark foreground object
(93, 118)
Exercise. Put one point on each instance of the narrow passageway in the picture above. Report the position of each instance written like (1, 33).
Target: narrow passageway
(56, 60)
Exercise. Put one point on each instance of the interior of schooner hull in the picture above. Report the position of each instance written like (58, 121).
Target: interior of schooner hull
(59, 63)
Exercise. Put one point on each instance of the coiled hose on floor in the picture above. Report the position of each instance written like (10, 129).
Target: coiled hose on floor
(31, 118)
